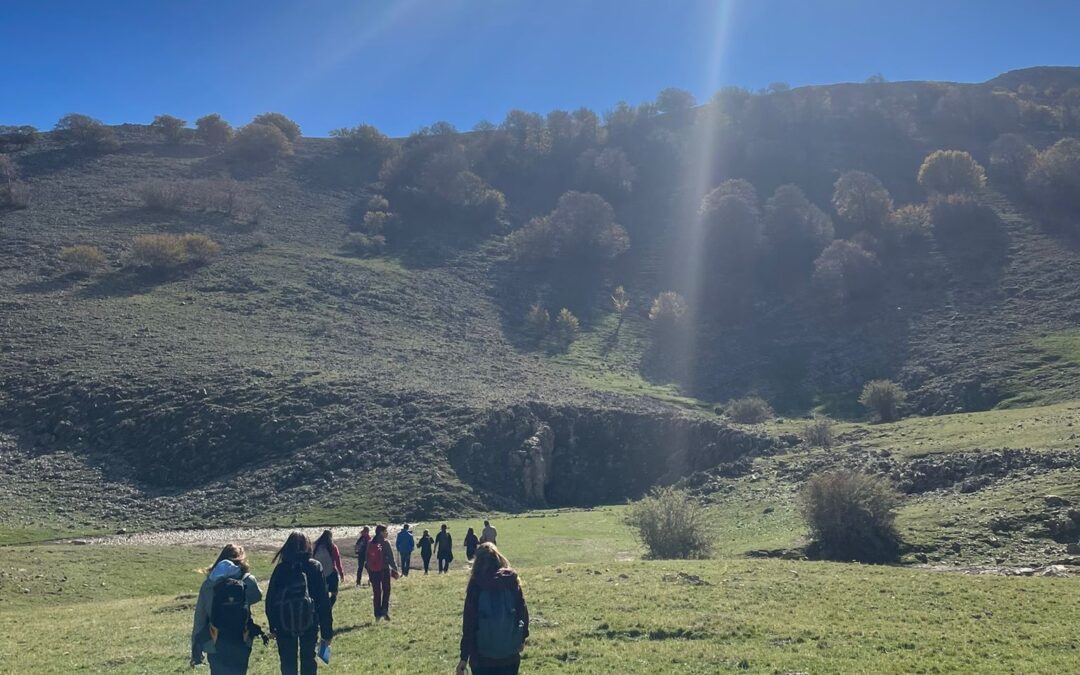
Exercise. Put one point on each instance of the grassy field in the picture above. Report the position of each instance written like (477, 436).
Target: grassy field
(595, 608)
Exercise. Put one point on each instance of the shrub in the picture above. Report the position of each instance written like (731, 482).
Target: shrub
(947, 172)
(537, 322)
(819, 433)
(846, 273)
(961, 215)
(225, 196)
(606, 171)
(15, 195)
(883, 398)
(199, 248)
(364, 245)
(260, 143)
(566, 327)
(796, 231)
(378, 203)
(732, 231)
(377, 222)
(749, 410)
(1054, 177)
(83, 259)
(671, 524)
(668, 309)
(1010, 158)
(160, 195)
(909, 227)
(851, 516)
(213, 130)
(734, 187)
(582, 226)
(284, 124)
(365, 141)
(861, 201)
(172, 129)
(620, 302)
(8, 171)
(86, 133)
(158, 252)
(15, 138)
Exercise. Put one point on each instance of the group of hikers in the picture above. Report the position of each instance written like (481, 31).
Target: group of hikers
(304, 587)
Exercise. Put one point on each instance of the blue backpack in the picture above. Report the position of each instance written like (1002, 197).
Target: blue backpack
(501, 631)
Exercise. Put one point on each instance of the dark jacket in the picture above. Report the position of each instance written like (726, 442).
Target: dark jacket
(471, 542)
(313, 571)
(444, 546)
(504, 578)
(425, 545)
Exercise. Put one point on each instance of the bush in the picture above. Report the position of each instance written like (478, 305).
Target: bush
(213, 130)
(284, 124)
(620, 302)
(851, 516)
(172, 129)
(962, 215)
(734, 187)
(377, 222)
(15, 138)
(947, 172)
(582, 226)
(160, 195)
(86, 133)
(566, 328)
(199, 248)
(83, 259)
(819, 433)
(162, 252)
(796, 231)
(732, 231)
(225, 196)
(1010, 158)
(537, 322)
(667, 309)
(260, 143)
(861, 201)
(749, 410)
(8, 171)
(15, 195)
(883, 398)
(365, 141)
(1054, 177)
(846, 273)
(365, 245)
(909, 227)
(671, 524)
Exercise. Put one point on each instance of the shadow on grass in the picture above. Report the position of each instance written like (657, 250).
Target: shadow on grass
(129, 281)
(51, 285)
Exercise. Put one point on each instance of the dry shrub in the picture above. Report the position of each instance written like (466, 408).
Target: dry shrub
(83, 259)
(225, 196)
(86, 133)
(15, 195)
(537, 322)
(962, 216)
(213, 130)
(819, 433)
(851, 516)
(671, 524)
(289, 128)
(749, 410)
(260, 143)
(200, 249)
(172, 129)
(364, 245)
(162, 252)
(160, 195)
(883, 398)
(667, 309)
(567, 328)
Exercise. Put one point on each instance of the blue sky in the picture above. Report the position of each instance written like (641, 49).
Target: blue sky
(407, 63)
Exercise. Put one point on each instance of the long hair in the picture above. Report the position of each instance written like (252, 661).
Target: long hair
(297, 542)
(380, 533)
(326, 540)
(488, 561)
(234, 553)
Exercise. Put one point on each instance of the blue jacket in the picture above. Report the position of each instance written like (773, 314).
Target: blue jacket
(405, 542)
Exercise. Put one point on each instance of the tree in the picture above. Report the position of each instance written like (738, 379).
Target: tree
(732, 233)
(674, 101)
(909, 227)
(86, 133)
(845, 273)
(671, 524)
(15, 138)
(537, 322)
(735, 187)
(567, 328)
(365, 141)
(606, 171)
(172, 129)
(1010, 158)
(260, 143)
(582, 226)
(796, 231)
(620, 302)
(883, 398)
(284, 124)
(213, 130)
(851, 516)
(1054, 177)
(861, 201)
(668, 309)
(949, 172)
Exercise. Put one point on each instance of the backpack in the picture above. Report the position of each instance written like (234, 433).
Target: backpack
(229, 612)
(375, 560)
(501, 632)
(296, 609)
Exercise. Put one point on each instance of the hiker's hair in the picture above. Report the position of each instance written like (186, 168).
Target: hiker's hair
(488, 561)
(326, 540)
(444, 526)
(297, 542)
(426, 532)
(470, 531)
(234, 553)
(380, 529)
(487, 523)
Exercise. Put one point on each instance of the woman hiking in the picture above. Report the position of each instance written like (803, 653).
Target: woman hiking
(424, 544)
(361, 551)
(298, 606)
(495, 621)
(328, 555)
(471, 542)
(444, 549)
(223, 627)
(380, 567)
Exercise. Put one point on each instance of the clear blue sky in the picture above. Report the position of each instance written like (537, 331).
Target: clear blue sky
(402, 64)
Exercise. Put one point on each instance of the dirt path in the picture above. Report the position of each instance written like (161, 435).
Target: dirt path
(250, 537)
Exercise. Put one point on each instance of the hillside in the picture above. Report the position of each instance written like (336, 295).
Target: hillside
(324, 385)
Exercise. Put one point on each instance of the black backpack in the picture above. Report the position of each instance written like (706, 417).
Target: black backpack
(296, 609)
(229, 611)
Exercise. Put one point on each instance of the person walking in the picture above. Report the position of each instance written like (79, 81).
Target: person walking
(223, 627)
(380, 567)
(361, 551)
(405, 545)
(298, 606)
(489, 535)
(328, 555)
(495, 620)
(425, 544)
(444, 549)
(471, 542)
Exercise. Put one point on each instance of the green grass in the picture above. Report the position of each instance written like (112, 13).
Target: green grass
(1064, 345)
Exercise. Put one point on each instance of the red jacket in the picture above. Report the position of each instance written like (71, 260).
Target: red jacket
(504, 578)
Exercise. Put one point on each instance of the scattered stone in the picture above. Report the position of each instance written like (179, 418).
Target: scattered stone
(1055, 501)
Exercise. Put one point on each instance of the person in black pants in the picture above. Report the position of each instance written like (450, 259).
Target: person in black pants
(444, 548)
(298, 606)
(425, 544)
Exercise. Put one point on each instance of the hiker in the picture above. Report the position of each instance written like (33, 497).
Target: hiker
(489, 534)
(471, 542)
(380, 568)
(495, 622)
(328, 555)
(405, 545)
(444, 549)
(298, 606)
(223, 626)
(425, 544)
(361, 551)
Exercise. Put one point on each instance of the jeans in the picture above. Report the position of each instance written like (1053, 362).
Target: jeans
(332, 583)
(496, 670)
(427, 562)
(231, 658)
(406, 562)
(289, 645)
(444, 564)
(380, 592)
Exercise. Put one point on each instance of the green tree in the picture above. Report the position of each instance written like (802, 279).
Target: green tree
(846, 274)
(581, 227)
(86, 133)
(1054, 177)
(213, 130)
(171, 129)
(796, 231)
(883, 398)
(260, 143)
(566, 327)
(284, 124)
(861, 201)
